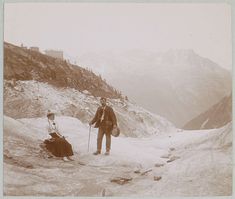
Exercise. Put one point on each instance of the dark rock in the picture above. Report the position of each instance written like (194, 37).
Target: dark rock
(173, 158)
(145, 172)
(159, 165)
(121, 180)
(157, 178)
(137, 171)
(166, 156)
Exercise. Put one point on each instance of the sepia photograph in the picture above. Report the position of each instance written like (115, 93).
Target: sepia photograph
(117, 99)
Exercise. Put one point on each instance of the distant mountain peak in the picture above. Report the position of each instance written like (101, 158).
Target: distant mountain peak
(172, 83)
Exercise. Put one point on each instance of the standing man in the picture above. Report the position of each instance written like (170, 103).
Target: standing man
(105, 120)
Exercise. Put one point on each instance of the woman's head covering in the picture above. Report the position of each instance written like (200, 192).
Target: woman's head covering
(49, 113)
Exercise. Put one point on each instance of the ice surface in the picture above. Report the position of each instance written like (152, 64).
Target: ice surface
(203, 166)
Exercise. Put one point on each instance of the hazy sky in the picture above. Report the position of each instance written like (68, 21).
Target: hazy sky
(78, 28)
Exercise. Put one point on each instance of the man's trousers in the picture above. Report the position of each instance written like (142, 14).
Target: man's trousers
(100, 136)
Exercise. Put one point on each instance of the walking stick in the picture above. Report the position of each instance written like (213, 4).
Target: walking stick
(89, 138)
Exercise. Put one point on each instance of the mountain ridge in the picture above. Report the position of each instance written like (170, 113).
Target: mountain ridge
(25, 64)
(217, 116)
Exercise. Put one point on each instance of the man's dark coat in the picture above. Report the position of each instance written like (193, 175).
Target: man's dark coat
(109, 118)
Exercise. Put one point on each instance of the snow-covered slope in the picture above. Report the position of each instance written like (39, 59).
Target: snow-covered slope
(173, 83)
(30, 99)
(190, 163)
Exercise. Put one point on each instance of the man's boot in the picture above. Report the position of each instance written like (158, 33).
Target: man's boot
(96, 153)
(106, 153)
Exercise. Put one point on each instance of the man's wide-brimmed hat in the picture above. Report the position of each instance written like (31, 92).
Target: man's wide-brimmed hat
(49, 113)
(103, 98)
(115, 132)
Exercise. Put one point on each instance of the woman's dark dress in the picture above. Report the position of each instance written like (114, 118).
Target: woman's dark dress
(58, 146)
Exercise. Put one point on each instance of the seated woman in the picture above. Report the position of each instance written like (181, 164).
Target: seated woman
(57, 145)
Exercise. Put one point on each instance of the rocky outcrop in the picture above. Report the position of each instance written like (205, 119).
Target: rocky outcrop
(23, 64)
